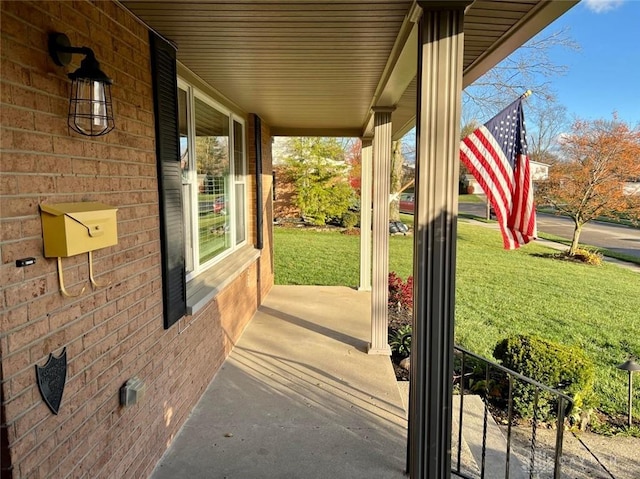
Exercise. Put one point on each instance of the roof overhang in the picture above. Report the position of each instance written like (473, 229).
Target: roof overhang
(317, 68)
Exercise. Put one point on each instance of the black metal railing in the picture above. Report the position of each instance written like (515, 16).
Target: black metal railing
(497, 386)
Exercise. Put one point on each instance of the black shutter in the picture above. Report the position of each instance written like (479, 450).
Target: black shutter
(165, 93)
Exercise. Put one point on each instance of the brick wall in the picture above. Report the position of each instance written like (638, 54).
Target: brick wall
(110, 333)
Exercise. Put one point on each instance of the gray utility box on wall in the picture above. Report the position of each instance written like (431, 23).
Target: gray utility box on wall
(132, 392)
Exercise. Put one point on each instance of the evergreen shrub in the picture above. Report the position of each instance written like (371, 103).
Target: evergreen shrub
(560, 367)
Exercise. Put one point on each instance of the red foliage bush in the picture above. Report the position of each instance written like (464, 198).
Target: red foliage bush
(400, 292)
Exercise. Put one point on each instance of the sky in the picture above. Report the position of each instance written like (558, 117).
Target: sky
(604, 75)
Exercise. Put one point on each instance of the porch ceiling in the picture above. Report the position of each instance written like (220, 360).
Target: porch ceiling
(317, 67)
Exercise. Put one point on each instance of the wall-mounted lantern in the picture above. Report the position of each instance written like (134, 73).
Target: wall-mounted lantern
(630, 366)
(90, 107)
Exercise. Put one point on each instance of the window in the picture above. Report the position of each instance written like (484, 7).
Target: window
(201, 155)
(212, 161)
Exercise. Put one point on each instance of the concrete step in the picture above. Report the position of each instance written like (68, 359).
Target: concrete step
(496, 446)
(471, 444)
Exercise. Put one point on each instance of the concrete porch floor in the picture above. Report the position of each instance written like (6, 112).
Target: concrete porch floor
(298, 397)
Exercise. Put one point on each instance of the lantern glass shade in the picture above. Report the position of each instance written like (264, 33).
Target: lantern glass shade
(90, 107)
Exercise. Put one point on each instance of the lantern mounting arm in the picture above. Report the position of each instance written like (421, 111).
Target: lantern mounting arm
(61, 50)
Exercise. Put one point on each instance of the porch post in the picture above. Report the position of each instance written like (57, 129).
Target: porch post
(381, 179)
(366, 171)
(440, 50)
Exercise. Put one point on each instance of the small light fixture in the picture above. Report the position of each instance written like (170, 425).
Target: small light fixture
(630, 366)
(90, 107)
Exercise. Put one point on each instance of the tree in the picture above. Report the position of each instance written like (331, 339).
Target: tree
(530, 67)
(546, 121)
(395, 182)
(318, 168)
(212, 154)
(354, 159)
(598, 158)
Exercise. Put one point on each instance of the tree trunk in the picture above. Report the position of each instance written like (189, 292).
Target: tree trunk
(576, 236)
(397, 161)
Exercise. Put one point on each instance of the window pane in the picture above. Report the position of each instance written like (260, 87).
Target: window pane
(183, 128)
(240, 220)
(239, 171)
(184, 133)
(238, 151)
(212, 165)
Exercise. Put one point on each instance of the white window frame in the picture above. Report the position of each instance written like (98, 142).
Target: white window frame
(192, 251)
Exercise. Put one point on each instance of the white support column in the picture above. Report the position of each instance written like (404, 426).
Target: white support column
(380, 281)
(366, 173)
(440, 54)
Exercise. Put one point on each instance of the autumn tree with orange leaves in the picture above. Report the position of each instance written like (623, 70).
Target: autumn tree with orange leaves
(598, 158)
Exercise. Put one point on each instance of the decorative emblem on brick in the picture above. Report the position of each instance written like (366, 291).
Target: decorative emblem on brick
(51, 379)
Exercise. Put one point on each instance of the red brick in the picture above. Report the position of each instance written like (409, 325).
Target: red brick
(85, 8)
(17, 162)
(55, 84)
(14, 27)
(23, 97)
(14, 73)
(12, 319)
(30, 141)
(14, 363)
(18, 405)
(37, 184)
(28, 334)
(44, 304)
(67, 146)
(8, 186)
(12, 207)
(54, 165)
(23, 54)
(6, 140)
(75, 23)
(13, 117)
(31, 227)
(28, 421)
(51, 123)
(63, 318)
(29, 465)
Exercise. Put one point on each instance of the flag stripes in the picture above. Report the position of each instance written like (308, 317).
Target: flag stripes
(496, 155)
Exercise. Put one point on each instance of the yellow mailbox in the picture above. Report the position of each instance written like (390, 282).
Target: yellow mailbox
(69, 229)
(73, 228)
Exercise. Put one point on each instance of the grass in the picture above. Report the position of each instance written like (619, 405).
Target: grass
(500, 293)
(471, 199)
(406, 219)
(333, 259)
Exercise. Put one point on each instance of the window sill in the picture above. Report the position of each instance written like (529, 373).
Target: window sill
(202, 289)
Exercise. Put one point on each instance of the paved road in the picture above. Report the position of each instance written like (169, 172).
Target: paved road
(605, 235)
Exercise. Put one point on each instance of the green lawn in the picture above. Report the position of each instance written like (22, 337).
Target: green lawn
(471, 199)
(499, 293)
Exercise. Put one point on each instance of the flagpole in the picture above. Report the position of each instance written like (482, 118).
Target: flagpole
(526, 94)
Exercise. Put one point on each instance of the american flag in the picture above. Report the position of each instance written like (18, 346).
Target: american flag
(496, 155)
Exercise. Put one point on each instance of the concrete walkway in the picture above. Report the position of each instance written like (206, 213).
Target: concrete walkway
(297, 398)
